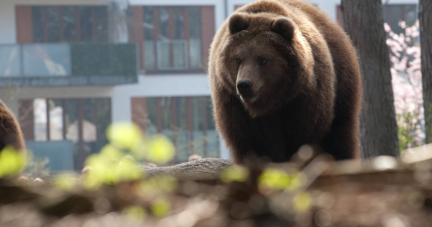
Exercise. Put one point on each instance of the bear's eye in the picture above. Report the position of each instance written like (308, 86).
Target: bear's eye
(238, 61)
(262, 61)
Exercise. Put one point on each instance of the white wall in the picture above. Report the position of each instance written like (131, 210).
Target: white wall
(148, 86)
(157, 86)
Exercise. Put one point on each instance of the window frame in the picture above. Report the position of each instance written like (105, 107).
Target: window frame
(178, 122)
(27, 120)
(171, 44)
(140, 38)
(77, 20)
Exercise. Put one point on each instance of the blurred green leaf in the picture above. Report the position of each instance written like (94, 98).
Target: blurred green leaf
(11, 161)
(302, 202)
(161, 150)
(104, 171)
(135, 213)
(110, 152)
(125, 135)
(164, 183)
(65, 181)
(111, 166)
(161, 208)
(279, 179)
(235, 173)
(296, 181)
(129, 170)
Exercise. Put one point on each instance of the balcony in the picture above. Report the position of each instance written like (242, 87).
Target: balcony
(45, 65)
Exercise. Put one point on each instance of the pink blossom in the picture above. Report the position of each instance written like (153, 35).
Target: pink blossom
(387, 27)
(405, 57)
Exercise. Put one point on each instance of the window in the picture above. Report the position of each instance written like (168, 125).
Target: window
(187, 121)
(195, 37)
(69, 24)
(68, 21)
(177, 38)
(83, 121)
(149, 34)
(52, 24)
(174, 38)
(38, 20)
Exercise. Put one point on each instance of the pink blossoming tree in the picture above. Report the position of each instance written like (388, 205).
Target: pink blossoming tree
(407, 83)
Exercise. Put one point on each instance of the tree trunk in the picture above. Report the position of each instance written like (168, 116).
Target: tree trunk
(364, 22)
(425, 18)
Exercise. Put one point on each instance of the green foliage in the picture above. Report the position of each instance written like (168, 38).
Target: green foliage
(161, 208)
(65, 181)
(36, 167)
(157, 185)
(161, 150)
(279, 179)
(135, 213)
(11, 162)
(235, 173)
(407, 131)
(111, 165)
(114, 164)
(125, 135)
(302, 202)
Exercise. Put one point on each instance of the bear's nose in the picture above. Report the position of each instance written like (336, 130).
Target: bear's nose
(244, 86)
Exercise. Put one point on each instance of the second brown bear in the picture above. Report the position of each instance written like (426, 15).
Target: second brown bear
(10, 131)
(282, 75)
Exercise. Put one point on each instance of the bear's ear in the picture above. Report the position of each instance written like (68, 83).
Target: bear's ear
(238, 23)
(284, 27)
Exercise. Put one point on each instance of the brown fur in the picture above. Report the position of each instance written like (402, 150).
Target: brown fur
(10, 132)
(308, 91)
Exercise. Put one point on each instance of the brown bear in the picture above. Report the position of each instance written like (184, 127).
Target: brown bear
(10, 132)
(282, 75)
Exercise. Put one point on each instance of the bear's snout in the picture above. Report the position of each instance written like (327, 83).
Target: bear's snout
(244, 87)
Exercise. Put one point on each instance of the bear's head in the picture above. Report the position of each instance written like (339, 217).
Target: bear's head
(265, 61)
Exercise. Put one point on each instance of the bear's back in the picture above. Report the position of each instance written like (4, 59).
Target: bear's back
(10, 131)
(346, 67)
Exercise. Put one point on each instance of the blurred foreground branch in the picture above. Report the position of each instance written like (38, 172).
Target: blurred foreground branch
(312, 190)
(202, 169)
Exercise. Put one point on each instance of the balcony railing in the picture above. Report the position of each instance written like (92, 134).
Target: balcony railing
(67, 64)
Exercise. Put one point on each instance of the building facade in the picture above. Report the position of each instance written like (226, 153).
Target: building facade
(69, 68)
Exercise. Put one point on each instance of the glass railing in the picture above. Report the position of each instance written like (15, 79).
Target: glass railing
(10, 60)
(35, 60)
(41, 64)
